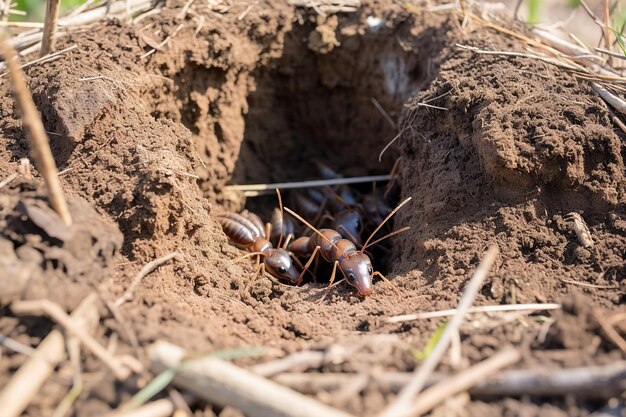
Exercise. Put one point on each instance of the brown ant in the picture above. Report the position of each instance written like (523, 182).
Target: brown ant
(355, 265)
(246, 230)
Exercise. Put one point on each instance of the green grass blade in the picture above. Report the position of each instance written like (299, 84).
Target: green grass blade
(421, 355)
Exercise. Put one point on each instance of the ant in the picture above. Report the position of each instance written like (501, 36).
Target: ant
(355, 265)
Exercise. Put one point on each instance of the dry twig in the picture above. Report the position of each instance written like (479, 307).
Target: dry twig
(16, 346)
(163, 43)
(383, 112)
(46, 58)
(251, 190)
(402, 405)
(462, 381)
(7, 180)
(28, 25)
(222, 383)
(35, 132)
(326, 7)
(149, 267)
(616, 102)
(604, 381)
(482, 309)
(586, 284)
(610, 53)
(50, 27)
(28, 380)
(307, 359)
(56, 313)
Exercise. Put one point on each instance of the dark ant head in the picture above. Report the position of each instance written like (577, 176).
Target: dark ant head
(357, 268)
(279, 263)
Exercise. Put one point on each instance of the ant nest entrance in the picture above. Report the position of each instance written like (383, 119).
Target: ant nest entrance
(325, 108)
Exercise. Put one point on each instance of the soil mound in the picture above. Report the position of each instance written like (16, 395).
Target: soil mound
(40, 257)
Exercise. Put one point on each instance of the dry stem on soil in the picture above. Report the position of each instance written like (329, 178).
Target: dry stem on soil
(28, 380)
(35, 132)
(223, 383)
(403, 404)
(50, 26)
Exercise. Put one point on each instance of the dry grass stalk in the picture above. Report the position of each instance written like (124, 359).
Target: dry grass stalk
(306, 184)
(149, 267)
(50, 27)
(326, 7)
(7, 180)
(16, 346)
(73, 350)
(402, 406)
(614, 101)
(222, 383)
(611, 53)
(462, 381)
(482, 309)
(604, 381)
(163, 43)
(587, 285)
(307, 359)
(35, 132)
(21, 25)
(56, 313)
(47, 58)
(28, 380)
(384, 113)
(110, 9)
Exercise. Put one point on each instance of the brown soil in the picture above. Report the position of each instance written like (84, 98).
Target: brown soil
(520, 145)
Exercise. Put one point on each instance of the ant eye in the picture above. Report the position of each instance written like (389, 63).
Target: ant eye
(351, 276)
(370, 270)
(282, 269)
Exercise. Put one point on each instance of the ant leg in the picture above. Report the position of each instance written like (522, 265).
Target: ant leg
(387, 282)
(297, 261)
(308, 263)
(330, 284)
(268, 230)
(287, 240)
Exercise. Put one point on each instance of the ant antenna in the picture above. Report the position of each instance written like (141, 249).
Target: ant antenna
(282, 218)
(383, 222)
(310, 226)
(388, 235)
